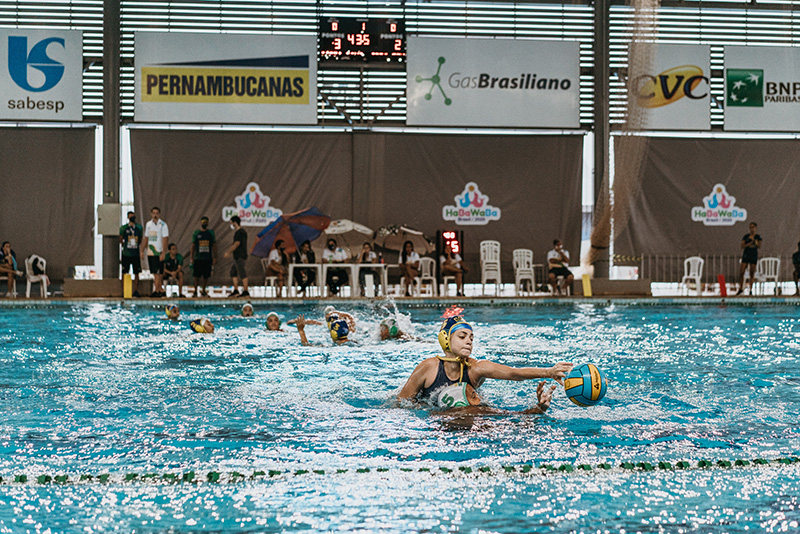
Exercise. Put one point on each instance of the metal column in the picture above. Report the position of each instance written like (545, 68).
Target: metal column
(111, 125)
(601, 118)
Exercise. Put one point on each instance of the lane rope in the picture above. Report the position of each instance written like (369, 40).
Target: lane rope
(216, 477)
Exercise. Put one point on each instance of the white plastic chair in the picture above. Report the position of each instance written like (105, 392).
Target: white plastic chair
(427, 273)
(490, 265)
(269, 281)
(523, 269)
(693, 271)
(33, 278)
(767, 269)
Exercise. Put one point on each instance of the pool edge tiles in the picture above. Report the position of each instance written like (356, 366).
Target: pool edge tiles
(413, 302)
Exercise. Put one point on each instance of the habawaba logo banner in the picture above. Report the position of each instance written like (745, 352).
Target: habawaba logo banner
(674, 92)
(493, 82)
(243, 79)
(762, 88)
(41, 75)
(471, 208)
(719, 209)
(252, 207)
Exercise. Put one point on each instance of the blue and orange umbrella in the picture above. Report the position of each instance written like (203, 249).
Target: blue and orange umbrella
(293, 228)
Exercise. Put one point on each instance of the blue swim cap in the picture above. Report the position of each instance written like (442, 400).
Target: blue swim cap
(339, 330)
(450, 325)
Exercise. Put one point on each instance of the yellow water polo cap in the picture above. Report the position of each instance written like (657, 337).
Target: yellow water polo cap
(197, 326)
(170, 309)
(450, 325)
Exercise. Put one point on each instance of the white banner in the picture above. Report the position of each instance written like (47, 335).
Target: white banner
(212, 78)
(762, 88)
(493, 82)
(41, 75)
(674, 93)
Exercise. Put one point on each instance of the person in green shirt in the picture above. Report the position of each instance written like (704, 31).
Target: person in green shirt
(130, 237)
(204, 255)
(173, 267)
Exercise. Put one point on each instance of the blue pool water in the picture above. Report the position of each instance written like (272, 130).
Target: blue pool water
(94, 388)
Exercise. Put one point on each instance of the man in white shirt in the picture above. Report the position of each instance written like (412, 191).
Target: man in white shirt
(156, 235)
(557, 263)
(335, 278)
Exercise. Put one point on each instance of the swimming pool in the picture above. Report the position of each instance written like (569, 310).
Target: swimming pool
(309, 439)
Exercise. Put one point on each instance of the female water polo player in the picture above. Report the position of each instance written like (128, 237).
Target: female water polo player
(338, 328)
(457, 367)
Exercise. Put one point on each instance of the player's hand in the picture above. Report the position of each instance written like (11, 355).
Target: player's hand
(544, 395)
(559, 371)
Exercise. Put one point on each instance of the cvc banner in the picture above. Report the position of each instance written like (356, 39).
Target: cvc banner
(762, 88)
(224, 78)
(41, 75)
(674, 93)
(493, 82)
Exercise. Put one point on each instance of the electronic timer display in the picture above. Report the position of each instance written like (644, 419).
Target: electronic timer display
(362, 39)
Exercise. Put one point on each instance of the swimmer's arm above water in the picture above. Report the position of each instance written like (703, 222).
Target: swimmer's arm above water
(487, 369)
(307, 321)
(301, 324)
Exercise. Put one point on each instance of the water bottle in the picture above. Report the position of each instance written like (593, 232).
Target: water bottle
(380, 257)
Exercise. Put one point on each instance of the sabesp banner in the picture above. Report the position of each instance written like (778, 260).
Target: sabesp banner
(762, 88)
(673, 92)
(493, 82)
(41, 75)
(242, 79)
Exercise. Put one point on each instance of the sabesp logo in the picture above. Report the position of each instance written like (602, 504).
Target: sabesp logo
(19, 59)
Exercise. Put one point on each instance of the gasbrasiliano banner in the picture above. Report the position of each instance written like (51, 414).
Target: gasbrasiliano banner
(762, 89)
(241, 79)
(493, 82)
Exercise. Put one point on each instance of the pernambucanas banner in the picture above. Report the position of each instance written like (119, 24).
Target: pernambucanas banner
(493, 82)
(674, 94)
(241, 79)
(762, 88)
(41, 74)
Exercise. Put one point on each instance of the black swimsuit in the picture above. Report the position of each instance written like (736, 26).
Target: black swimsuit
(442, 380)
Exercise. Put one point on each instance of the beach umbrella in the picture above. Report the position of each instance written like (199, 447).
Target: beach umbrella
(294, 228)
(349, 235)
(392, 238)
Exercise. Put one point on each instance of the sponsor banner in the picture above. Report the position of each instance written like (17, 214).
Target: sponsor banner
(41, 75)
(719, 209)
(471, 208)
(242, 79)
(762, 88)
(252, 207)
(493, 82)
(674, 92)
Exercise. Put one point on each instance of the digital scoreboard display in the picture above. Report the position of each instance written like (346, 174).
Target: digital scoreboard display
(362, 39)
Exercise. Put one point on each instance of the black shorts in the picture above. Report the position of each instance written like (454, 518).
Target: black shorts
(560, 271)
(238, 269)
(750, 256)
(202, 268)
(131, 261)
(156, 265)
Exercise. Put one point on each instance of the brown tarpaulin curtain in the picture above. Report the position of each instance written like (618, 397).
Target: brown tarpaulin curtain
(677, 173)
(373, 178)
(47, 200)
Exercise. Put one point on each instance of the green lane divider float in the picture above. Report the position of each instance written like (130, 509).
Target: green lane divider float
(216, 477)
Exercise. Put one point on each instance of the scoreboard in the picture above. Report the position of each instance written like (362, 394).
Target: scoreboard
(362, 39)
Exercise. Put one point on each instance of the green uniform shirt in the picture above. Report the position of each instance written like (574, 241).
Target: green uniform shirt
(131, 239)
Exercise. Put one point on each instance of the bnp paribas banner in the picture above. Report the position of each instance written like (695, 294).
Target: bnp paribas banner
(673, 93)
(41, 74)
(762, 88)
(210, 78)
(492, 82)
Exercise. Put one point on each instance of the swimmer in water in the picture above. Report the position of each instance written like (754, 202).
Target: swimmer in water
(173, 312)
(202, 326)
(247, 310)
(273, 322)
(457, 367)
(338, 328)
(390, 330)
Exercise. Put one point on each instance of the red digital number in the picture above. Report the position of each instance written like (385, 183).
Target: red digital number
(363, 26)
(337, 44)
(351, 38)
(398, 44)
(334, 26)
(393, 27)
